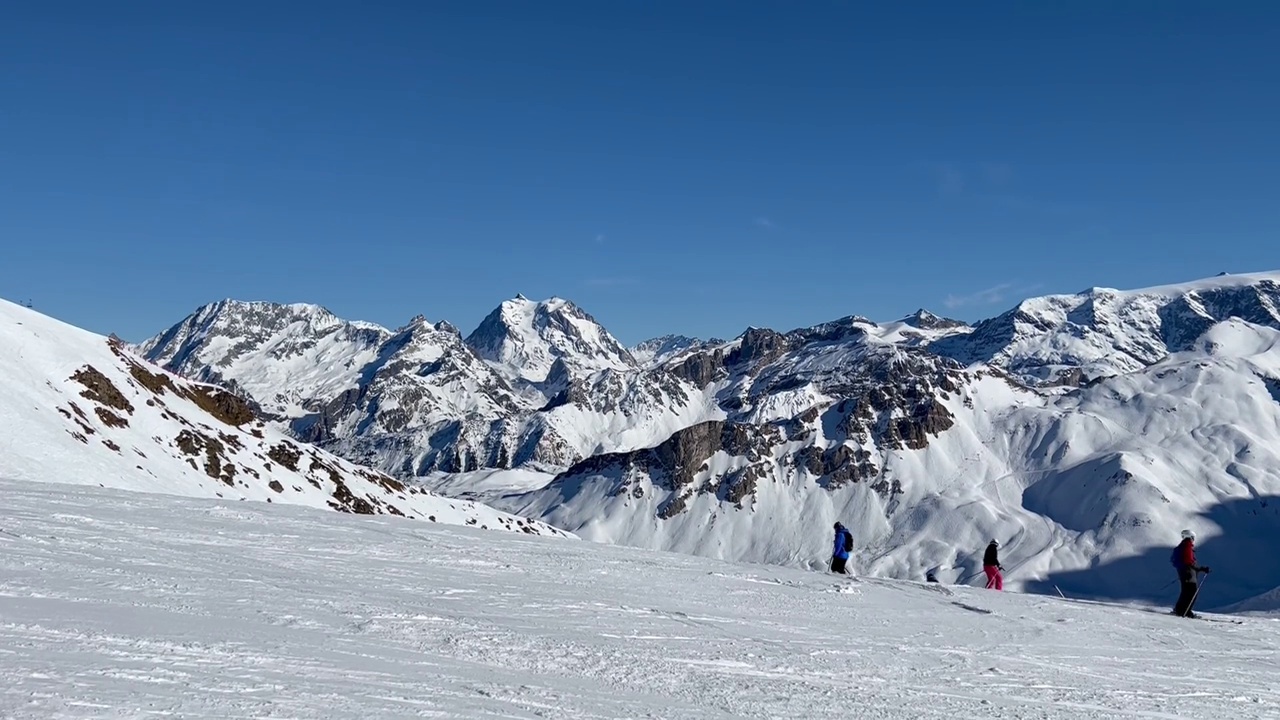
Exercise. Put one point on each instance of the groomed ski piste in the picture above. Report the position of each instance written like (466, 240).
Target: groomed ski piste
(117, 604)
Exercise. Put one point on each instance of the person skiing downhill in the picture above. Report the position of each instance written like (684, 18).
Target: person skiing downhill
(991, 566)
(1184, 560)
(840, 551)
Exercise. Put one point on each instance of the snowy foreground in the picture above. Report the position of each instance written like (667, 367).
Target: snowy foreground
(116, 604)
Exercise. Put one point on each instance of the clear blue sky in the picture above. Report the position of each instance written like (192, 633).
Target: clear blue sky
(690, 167)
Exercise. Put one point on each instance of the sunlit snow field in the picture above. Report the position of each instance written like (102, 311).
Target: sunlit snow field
(117, 604)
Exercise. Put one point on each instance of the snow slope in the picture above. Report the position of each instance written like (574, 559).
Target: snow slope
(1086, 489)
(81, 408)
(1104, 332)
(130, 605)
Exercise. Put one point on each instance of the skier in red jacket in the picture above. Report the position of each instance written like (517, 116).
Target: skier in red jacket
(1184, 559)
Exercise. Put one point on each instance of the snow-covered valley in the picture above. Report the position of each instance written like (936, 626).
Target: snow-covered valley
(116, 604)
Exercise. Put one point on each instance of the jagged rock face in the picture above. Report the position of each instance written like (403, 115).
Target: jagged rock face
(701, 368)
(680, 465)
(412, 401)
(610, 392)
(758, 346)
(855, 402)
(427, 404)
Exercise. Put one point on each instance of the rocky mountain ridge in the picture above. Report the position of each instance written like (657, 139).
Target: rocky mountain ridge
(747, 449)
(81, 408)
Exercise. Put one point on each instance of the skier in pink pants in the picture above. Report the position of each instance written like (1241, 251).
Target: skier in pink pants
(991, 566)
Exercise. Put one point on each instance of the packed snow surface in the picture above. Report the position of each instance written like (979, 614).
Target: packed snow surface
(116, 605)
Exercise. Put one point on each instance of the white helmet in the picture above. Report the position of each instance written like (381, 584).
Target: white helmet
(1188, 534)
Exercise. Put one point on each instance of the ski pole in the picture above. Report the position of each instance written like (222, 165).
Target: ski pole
(1196, 594)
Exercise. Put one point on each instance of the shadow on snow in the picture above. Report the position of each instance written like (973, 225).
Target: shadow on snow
(1244, 560)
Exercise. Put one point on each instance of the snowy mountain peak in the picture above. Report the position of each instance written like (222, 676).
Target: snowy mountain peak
(659, 350)
(254, 346)
(84, 409)
(925, 320)
(1104, 331)
(247, 327)
(523, 339)
(267, 315)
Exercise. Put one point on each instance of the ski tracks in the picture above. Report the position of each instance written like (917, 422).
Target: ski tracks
(146, 605)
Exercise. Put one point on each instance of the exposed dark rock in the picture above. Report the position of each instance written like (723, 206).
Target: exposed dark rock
(701, 369)
(194, 443)
(928, 417)
(109, 418)
(758, 345)
(221, 404)
(285, 453)
(675, 463)
(99, 389)
(1273, 387)
(347, 501)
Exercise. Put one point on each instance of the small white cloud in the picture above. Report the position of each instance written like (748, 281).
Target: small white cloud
(763, 222)
(600, 239)
(989, 296)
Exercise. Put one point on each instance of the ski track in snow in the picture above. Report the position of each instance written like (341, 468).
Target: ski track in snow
(129, 605)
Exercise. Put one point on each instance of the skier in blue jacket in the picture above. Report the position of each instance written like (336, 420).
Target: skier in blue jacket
(840, 551)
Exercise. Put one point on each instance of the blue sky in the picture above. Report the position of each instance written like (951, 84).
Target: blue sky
(688, 167)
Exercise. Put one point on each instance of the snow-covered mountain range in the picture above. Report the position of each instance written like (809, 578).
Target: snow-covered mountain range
(80, 408)
(1082, 430)
(537, 384)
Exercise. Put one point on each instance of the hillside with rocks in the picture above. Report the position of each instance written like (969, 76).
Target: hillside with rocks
(84, 409)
